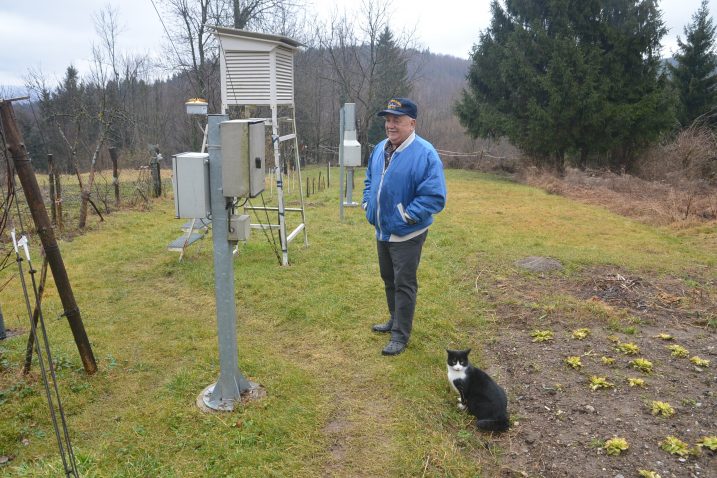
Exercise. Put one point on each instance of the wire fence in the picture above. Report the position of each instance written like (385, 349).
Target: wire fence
(62, 197)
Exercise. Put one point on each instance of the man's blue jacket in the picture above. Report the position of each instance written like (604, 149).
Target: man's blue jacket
(404, 198)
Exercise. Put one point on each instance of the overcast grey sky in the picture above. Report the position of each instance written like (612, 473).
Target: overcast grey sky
(49, 35)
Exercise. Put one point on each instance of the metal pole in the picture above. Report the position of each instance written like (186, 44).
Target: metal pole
(226, 392)
(349, 186)
(342, 124)
(25, 173)
(349, 133)
(350, 129)
(298, 178)
(279, 185)
(35, 318)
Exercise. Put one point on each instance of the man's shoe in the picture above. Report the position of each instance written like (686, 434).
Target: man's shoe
(383, 327)
(393, 348)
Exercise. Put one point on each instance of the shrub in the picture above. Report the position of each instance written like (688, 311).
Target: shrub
(581, 334)
(642, 365)
(615, 446)
(675, 446)
(609, 361)
(700, 362)
(600, 382)
(689, 156)
(636, 382)
(662, 409)
(541, 335)
(678, 351)
(628, 348)
(574, 362)
(648, 474)
(709, 442)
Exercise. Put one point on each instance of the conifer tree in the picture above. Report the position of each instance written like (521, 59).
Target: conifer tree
(695, 73)
(561, 79)
(391, 80)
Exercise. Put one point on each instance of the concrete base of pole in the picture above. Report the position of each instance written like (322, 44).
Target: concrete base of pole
(206, 404)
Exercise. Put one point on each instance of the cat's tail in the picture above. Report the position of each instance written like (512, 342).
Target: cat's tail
(494, 425)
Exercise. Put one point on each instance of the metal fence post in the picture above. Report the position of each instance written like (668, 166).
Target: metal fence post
(341, 162)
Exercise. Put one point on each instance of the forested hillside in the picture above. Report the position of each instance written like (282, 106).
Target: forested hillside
(152, 112)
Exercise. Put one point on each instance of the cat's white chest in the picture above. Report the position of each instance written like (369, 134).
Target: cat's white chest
(454, 375)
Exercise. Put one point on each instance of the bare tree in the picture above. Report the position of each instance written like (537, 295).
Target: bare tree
(192, 43)
(355, 63)
(108, 28)
(194, 48)
(254, 13)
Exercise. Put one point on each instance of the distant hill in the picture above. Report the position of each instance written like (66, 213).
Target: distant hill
(439, 82)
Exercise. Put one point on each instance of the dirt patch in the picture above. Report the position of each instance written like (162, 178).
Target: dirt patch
(9, 333)
(561, 423)
(336, 430)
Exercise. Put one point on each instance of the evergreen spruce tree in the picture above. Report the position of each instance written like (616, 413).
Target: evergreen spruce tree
(695, 73)
(561, 79)
(391, 80)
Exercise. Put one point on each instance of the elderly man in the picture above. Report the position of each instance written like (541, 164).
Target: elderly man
(404, 188)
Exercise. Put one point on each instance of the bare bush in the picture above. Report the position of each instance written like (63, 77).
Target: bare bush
(691, 156)
(683, 202)
(488, 156)
(676, 182)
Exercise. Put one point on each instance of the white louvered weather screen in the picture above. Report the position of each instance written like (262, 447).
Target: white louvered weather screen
(257, 69)
(248, 79)
(284, 75)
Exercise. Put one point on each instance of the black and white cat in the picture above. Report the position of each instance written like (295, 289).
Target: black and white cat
(479, 393)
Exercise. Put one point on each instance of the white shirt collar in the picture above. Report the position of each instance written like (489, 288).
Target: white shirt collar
(406, 143)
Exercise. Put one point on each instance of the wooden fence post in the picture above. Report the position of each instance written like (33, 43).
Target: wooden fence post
(51, 179)
(57, 202)
(3, 333)
(115, 174)
(23, 168)
(156, 175)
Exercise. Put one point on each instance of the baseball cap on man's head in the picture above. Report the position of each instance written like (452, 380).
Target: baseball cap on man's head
(400, 107)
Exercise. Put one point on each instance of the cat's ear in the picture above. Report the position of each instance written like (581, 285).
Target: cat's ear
(467, 352)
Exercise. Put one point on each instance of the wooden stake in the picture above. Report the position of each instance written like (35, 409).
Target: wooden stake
(27, 177)
(115, 174)
(57, 202)
(51, 178)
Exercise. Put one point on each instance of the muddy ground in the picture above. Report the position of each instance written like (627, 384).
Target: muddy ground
(560, 423)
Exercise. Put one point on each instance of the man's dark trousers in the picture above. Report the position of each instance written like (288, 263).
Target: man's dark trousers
(398, 262)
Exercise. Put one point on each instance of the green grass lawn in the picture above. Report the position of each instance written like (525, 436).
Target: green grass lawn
(334, 405)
